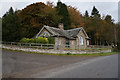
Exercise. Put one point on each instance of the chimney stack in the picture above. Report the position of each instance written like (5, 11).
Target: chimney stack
(61, 26)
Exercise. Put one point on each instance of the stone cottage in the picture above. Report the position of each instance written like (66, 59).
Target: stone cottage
(73, 39)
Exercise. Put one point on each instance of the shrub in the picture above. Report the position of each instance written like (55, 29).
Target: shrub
(41, 40)
(31, 40)
(116, 49)
(69, 53)
(36, 40)
(51, 40)
(24, 40)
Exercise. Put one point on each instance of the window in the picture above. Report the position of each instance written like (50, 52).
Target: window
(81, 40)
(46, 34)
(59, 41)
(87, 42)
(67, 43)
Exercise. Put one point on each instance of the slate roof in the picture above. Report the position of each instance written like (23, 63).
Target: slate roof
(70, 34)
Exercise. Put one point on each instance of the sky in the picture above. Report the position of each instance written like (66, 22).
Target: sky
(105, 7)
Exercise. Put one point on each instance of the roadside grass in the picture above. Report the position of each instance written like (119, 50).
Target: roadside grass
(97, 54)
(67, 54)
(96, 49)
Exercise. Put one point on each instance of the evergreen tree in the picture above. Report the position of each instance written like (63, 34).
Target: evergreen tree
(11, 10)
(108, 18)
(86, 14)
(63, 12)
(10, 26)
(92, 24)
(94, 11)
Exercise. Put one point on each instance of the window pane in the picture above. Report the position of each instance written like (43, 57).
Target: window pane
(67, 43)
(81, 40)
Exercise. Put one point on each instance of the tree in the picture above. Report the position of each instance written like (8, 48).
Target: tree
(90, 28)
(108, 18)
(11, 10)
(97, 21)
(10, 26)
(86, 14)
(118, 36)
(63, 12)
(94, 11)
(34, 16)
(76, 17)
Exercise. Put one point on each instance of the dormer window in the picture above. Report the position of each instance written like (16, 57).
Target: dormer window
(81, 40)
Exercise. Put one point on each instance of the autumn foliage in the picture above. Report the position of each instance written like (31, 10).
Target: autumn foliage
(75, 17)
(27, 22)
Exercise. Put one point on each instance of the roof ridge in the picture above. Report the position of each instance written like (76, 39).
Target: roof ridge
(52, 27)
(74, 29)
(55, 28)
(63, 30)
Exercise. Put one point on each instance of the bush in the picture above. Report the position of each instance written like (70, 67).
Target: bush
(32, 41)
(51, 40)
(69, 53)
(36, 40)
(41, 40)
(24, 40)
(117, 48)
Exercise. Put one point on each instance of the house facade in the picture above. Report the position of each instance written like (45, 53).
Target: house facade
(66, 39)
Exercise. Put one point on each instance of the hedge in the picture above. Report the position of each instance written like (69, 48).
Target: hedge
(51, 40)
(36, 40)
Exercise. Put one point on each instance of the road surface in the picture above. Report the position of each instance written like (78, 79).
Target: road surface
(102, 67)
(29, 65)
(24, 65)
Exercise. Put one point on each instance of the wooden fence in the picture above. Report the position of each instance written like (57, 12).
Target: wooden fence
(37, 45)
(46, 46)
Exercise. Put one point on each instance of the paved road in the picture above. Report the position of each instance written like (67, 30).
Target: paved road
(26, 65)
(19, 64)
(102, 67)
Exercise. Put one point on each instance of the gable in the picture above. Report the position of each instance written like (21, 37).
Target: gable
(43, 33)
(82, 33)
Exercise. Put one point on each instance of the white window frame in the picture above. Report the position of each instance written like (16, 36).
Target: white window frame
(88, 43)
(81, 40)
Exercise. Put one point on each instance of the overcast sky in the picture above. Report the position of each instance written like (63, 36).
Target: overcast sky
(105, 7)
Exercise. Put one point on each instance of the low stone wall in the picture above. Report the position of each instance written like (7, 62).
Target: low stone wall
(54, 51)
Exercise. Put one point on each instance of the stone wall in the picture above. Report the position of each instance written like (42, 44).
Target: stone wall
(53, 50)
(59, 43)
(78, 46)
(72, 44)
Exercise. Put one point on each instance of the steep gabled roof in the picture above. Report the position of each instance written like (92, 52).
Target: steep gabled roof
(70, 34)
(74, 32)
